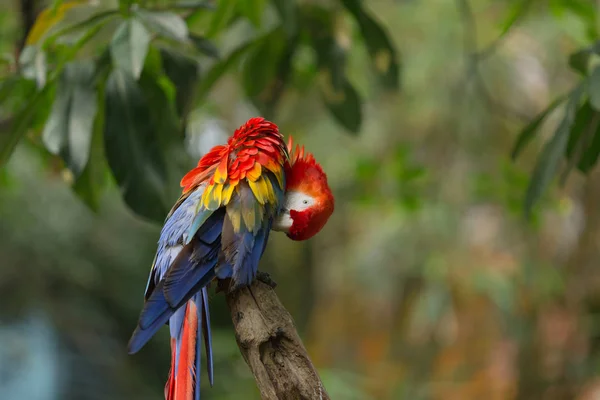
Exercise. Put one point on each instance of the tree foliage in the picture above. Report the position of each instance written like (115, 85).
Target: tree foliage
(103, 85)
(127, 75)
(576, 140)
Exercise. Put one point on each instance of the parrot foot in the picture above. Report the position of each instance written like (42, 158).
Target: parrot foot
(223, 285)
(266, 279)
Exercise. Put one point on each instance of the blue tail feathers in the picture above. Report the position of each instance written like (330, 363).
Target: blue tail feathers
(190, 271)
(207, 335)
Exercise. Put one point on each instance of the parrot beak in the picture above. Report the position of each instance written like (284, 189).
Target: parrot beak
(283, 222)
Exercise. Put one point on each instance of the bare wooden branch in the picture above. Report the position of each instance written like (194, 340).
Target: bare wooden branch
(268, 340)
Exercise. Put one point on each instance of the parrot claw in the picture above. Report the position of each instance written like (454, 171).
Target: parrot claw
(223, 285)
(266, 279)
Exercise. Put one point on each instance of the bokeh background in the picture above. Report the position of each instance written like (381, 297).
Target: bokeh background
(427, 283)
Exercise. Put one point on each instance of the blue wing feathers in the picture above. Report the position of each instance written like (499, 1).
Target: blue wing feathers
(176, 328)
(176, 323)
(262, 243)
(180, 291)
(179, 271)
(151, 284)
(198, 221)
(198, 299)
(182, 280)
(249, 251)
(158, 308)
(211, 230)
(242, 268)
(179, 222)
(142, 335)
(207, 335)
(154, 308)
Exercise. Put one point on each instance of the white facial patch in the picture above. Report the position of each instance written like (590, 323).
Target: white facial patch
(296, 201)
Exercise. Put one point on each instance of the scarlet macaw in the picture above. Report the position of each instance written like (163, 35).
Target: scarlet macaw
(219, 228)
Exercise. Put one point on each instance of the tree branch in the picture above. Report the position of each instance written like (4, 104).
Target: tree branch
(268, 340)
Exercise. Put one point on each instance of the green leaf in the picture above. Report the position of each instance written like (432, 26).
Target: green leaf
(582, 119)
(90, 23)
(129, 47)
(55, 132)
(546, 165)
(33, 64)
(517, 10)
(184, 72)
(46, 20)
(159, 93)
(260, 67)
(337, 66)
(20, 123)
(68, 131)
(379, 45)
(345, 105)
(187, 4)
(339, 95)
(133, 149)
(548, 162)
(9, 85)
(584, 10)
(165, 23)
(530, 130)
(205, 46)
(219, 69)
(594, 88)
(253, 10)
(288, 11)
(319, 23)
(92, 181)
(71, 51)
(580, 60)
(267, 101)
(584, 139)
(225, 11)
(97, 17)
(330, 55)
(591, 152)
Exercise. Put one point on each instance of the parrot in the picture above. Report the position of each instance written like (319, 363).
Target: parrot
(218, 229)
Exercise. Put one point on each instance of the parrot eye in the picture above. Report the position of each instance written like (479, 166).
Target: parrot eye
(305, 201)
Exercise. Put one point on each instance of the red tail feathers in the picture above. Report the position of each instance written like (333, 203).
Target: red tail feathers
(180, 385)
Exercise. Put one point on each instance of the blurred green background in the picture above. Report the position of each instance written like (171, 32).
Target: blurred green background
(428, 281)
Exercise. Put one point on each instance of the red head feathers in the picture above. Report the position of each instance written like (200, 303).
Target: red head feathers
(308, 202)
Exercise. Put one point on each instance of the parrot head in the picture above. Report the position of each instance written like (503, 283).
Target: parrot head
(308, 200)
